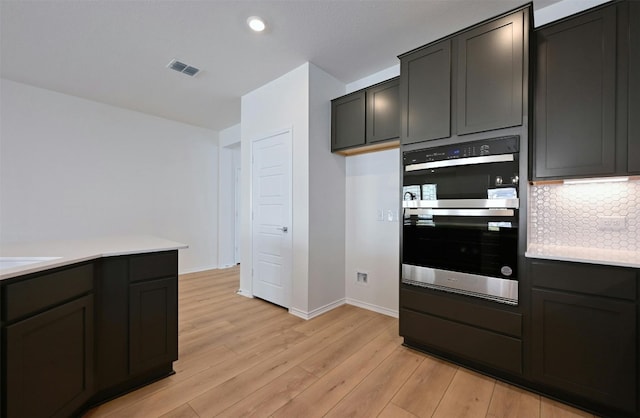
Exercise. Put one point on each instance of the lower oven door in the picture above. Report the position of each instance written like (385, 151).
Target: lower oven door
(465, 251)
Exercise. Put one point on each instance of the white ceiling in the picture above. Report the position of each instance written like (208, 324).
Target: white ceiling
(115, 51)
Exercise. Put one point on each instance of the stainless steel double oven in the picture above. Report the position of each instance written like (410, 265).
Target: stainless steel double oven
(460, 218)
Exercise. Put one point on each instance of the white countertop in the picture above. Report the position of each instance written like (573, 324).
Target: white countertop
(75, 251)
(585, 255)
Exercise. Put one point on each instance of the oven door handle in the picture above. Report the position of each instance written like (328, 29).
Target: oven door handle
(500, 158)
(461, 212)
(513, 203)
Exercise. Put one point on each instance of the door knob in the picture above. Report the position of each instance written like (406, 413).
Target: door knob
(284, 229)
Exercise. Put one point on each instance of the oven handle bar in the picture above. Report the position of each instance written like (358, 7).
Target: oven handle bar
(461, 161)
(513, 203)
(461, 212)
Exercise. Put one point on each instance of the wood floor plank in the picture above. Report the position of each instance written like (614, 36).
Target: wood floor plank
(468, 396)
(264, 401)
(394, 411)
(371, 396)
(509, 401)
(321, 396)
(339, 351)
(553, 409)
(183, 411)
(431, 380)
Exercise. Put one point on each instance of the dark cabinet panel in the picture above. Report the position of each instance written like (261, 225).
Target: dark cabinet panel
(475, 344)
(426, 93)
(383, 102)
(49, 361)
(112, 322)
(575, 89)
(634, 88)
(348, 121)
(153, 323)
(586, 346)
(490, 75)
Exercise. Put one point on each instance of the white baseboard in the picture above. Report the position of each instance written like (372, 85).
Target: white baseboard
(245, 293)
(316, 312)
(372, 307)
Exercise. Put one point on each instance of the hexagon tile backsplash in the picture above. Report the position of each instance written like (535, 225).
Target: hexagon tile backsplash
(583, 215)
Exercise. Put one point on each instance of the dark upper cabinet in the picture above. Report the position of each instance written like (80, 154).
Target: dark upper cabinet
(382, 115)
(490, 75)
(348, 121)
(366, 118)
(49, 361)
(634, 88)
(575, 96)
(584, 328)
(471, 82)
(426, 91)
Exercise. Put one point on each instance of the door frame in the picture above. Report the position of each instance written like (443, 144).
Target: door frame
(288, 130)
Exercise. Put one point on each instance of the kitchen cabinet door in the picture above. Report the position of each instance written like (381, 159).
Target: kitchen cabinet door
(425, 93)
(634, 88)
(153, 324)
(49, 361)
(348, 121)
(382, 115)
(490, 75)
(575, 96)
(586, 346)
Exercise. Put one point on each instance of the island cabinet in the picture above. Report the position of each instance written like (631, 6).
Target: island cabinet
(471, 82)
(49, 343)
(586, 93)
(584, 334)
(136, 320)
(368, 119)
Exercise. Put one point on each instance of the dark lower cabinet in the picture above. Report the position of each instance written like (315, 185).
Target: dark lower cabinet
(153, 324)
(586, 346)
(79, 335)
(584, 334)
(49, 361)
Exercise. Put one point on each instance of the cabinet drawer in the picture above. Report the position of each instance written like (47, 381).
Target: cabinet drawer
(476, 344)
(492, 319)
(153, 266)
(585, 278)
(32, 295)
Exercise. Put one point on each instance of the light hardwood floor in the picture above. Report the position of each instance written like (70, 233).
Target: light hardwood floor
(241, 357)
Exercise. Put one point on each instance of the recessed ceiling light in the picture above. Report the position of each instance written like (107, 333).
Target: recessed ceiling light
(256, 23)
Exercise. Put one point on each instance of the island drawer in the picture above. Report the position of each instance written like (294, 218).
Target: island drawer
(153, 266)
(40, 292)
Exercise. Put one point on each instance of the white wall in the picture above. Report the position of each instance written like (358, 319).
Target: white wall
(228, 162)
(73, 168)
(326, 197)
(281, 104)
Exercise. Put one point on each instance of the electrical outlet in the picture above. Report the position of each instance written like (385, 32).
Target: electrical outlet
(611, 223)
(362, 278)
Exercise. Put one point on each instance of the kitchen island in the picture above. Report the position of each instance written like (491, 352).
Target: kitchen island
(85, 321)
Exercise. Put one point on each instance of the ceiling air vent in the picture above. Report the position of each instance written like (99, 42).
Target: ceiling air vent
(183, 68)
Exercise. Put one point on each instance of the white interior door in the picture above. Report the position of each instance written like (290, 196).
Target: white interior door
(271, 209)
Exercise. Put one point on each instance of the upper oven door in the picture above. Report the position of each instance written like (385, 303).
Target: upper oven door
(493, 177)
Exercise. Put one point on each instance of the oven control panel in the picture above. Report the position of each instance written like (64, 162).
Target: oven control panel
(494, 146)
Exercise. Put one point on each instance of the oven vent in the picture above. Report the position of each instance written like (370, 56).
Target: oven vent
(183, 68)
